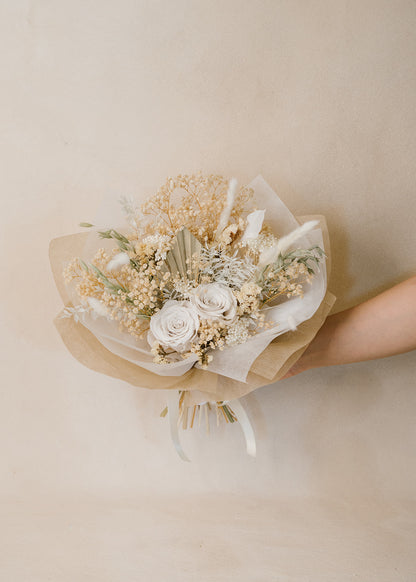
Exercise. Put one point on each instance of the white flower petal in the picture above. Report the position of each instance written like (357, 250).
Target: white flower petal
(254, 225)
(118, 261)
(97, 306)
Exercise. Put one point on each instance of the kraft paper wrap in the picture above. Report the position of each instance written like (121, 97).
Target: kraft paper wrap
(201, 385)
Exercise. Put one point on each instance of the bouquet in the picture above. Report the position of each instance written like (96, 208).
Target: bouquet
(196, 291)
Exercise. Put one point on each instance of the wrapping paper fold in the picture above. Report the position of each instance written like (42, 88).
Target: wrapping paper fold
(201, 385)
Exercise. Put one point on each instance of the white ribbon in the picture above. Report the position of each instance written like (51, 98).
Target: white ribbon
(173, 412)
(236, 407)
(246, 427)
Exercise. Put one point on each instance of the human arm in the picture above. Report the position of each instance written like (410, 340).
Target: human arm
(382, 326)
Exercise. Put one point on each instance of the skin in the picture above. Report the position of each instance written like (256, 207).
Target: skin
(382, 326)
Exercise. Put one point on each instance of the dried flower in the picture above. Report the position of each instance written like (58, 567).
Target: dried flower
(175, 326)
(226, 213)
(214, 301)
(254, 224)
(238, 332)
(118, 261)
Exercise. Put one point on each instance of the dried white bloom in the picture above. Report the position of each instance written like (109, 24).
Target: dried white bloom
(175, 326)
(158, 244)
(183, 286)
(226, 213)
(228, 234)
(285, 242)
(97, 306)
(74, 312)
(254, 225)
(214, 301)
(130, 209)
(118, 261)
(269, 256)
(248, 297)
(238, 332)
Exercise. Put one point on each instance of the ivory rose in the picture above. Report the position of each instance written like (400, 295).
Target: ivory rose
(175, 326)
(214, 301)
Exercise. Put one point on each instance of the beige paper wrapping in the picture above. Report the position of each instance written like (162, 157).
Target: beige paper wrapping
(202, 385)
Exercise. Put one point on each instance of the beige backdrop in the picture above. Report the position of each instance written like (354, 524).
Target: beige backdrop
(104, 97)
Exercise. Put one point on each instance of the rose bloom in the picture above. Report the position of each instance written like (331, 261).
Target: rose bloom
(175, 326)
(214, 301)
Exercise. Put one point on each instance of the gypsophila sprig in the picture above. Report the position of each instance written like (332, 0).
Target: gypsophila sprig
(202, 200)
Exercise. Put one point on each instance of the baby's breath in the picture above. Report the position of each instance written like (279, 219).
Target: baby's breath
(238, 332)
(202, 199)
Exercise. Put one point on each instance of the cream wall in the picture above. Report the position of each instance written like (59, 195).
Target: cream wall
(102, 97)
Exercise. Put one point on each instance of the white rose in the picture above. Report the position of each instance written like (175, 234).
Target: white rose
(175, 326)
(214, 301)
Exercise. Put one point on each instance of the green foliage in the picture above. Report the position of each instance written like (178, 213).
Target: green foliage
(123, 243)
(306, 256)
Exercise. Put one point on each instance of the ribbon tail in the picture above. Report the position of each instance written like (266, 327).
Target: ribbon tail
(246, 426)
(173, 411)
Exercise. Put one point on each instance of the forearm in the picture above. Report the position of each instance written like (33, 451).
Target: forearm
(383, 326)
